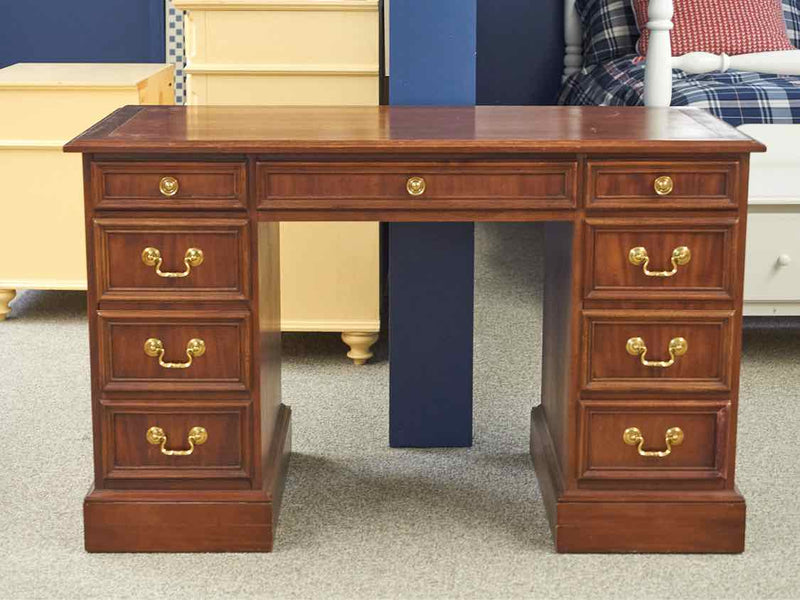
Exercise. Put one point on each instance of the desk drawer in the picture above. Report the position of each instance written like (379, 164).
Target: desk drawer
(661, 259)
(415, 185)
(147, 443)
(658, 350)
(169, 185)
(661, 185)
(642, 441)
(166, 351)
(159, 259)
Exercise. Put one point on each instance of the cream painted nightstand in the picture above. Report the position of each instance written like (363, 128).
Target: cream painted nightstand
(300, 52)
(42, 106)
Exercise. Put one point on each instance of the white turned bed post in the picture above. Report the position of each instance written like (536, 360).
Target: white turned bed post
(658, 68)
(573, 44)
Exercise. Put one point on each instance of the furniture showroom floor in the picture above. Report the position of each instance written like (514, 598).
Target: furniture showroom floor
(361, 519)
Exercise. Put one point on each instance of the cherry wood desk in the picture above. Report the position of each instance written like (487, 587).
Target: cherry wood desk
(635, 440)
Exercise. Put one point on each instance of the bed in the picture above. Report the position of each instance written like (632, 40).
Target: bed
(757, 93)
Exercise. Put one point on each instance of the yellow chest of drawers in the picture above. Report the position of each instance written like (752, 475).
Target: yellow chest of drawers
(300, 52)
(42, 106)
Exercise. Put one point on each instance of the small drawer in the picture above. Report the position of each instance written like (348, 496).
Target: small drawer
(772, 260)
(414, 185)
(171, 351)
(662, 185)
(659, 350)
(661, 259)
(169, 185)
(171, 440)
(653, 440)
(158, 259)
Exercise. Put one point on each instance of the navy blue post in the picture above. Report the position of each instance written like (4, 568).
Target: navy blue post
(431, 274)
(520, 51)
(86, 31)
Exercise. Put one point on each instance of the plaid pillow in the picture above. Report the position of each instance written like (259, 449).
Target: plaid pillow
(791, 14)
(609, 29)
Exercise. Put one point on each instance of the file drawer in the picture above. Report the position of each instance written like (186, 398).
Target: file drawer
(170, 351)
(657, 350)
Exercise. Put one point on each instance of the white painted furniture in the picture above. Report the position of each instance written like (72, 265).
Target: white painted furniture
(42, 107)
(772, 273)
(300, 52)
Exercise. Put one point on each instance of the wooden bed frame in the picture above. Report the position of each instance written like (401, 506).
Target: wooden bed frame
(772, 275)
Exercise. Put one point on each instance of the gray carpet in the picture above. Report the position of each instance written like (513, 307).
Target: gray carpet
(361, 520)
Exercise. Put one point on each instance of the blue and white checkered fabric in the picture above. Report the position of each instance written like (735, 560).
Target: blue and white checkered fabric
(736, 97)
(791, 13)
(609, 29)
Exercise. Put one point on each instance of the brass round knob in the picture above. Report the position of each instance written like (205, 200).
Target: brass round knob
(415, 186)
(168, 186)
(663, 185)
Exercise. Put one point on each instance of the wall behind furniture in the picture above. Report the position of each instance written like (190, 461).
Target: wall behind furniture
(81, 31)
(520, 53)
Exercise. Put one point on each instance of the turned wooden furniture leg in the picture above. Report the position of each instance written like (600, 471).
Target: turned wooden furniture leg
(360, 343)
(7, 296)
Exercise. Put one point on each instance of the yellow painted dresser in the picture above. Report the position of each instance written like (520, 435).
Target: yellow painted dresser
(300, 52)
(43, 106)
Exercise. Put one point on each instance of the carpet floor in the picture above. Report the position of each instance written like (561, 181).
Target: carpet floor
(361, 520)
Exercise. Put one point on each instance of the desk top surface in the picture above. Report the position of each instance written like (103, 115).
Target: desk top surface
(521, 129)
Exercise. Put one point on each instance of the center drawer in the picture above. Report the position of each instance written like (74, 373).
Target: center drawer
(177, 441)
(175, 259)
(643, 351)
(417, 185)
(164, 351)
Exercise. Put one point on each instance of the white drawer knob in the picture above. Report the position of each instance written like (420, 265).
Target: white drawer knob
(784, 260)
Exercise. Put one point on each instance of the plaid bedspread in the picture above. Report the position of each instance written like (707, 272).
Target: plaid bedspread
(736, 97)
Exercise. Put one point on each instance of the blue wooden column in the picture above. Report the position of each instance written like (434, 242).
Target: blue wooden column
(85, 31)
(431, 274)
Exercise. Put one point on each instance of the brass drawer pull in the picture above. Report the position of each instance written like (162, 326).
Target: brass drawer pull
(677, 347)
(197, 437)
(152, 258)
(155, 347)
(415, 186)
(663, 185)
(168, 186)
(680, 257)
(674, 437)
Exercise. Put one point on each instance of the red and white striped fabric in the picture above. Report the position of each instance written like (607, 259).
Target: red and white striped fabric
(716, 26)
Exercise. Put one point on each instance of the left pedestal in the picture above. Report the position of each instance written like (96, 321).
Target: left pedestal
(191, 440)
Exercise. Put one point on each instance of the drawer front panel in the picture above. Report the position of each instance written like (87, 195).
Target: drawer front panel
(219, 344)
(772, 260)
(662, 259)
(176, 441)
(698, 346)
(474, 185)
(683, 185)
(199, 259)
(664, 440)
(169, 185)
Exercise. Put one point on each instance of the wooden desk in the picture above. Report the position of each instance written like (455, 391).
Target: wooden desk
(645, 240)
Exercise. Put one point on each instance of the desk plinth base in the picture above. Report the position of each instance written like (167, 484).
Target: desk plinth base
(191, 521)
(668, 525)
